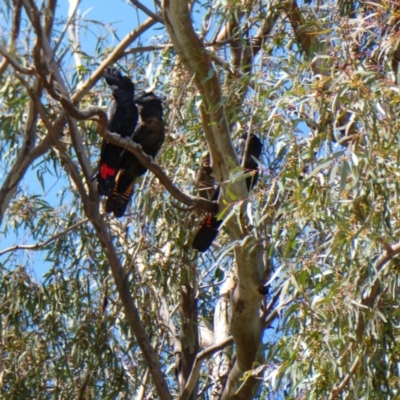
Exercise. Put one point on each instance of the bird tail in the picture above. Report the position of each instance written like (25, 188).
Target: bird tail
(210, 225)
(206, 233)
(208, 229)
(250, 160)
(108, 168)
(118, 201)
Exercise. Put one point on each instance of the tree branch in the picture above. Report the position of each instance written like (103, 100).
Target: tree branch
(74, 173)
(15, 29)
(189, 330)
(194, 375)
(131, 311)
(27, 154)
(368, 298)
(43, 41)
(150, 13)
(40, 245)
(339, 388)
(144, 159)
(83, 386)
(91, 207)
(71, 16)
(76, 139)
(192, 53)
(73, 33)
(245, 324)
(296, 20)
(221, 330)
(112, 57)
(143, 382)
(15, 63)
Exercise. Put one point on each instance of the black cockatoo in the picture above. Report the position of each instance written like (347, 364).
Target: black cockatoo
(150, 135)
(122, 119)
(209, 227)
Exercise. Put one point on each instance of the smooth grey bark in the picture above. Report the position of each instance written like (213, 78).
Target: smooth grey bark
(246, 300)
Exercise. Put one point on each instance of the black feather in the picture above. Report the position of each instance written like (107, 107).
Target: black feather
(209, 227)
(251, 160)
(150, 135)
(122, 119)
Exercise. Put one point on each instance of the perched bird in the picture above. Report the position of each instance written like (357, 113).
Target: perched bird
(251, 160)
(209, 227)
(150, 135)
(122, 119)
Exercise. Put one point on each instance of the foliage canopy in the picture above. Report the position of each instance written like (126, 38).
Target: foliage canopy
(298, 298)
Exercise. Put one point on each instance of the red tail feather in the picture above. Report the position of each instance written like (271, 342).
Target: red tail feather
(106, 171)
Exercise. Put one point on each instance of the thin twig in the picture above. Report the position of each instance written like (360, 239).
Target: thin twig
(112, 57)
(15, 29)
(71, 16)
(267, 312)
(83, 385)
(368, 299)
(142, 391)
(39, 245)
(150, 13)
(143, 49)
(339, 388)
(274, 314)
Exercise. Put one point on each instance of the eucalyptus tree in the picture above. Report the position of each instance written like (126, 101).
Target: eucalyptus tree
(298, 295)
